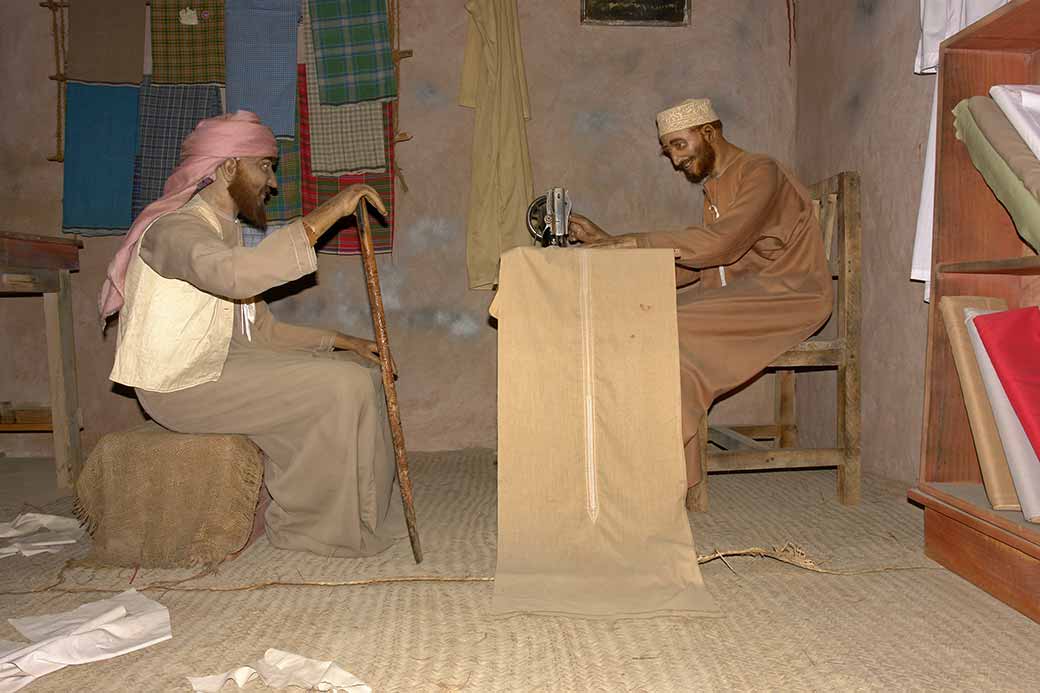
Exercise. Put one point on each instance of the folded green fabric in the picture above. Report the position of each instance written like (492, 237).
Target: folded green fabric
(1023, 206)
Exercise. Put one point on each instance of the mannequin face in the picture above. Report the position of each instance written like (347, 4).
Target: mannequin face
(691, 151)
(251, 184)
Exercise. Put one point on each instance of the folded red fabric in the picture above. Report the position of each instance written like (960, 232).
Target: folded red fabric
(1012, 340)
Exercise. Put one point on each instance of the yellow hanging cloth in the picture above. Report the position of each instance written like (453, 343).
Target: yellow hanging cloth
(494, 83)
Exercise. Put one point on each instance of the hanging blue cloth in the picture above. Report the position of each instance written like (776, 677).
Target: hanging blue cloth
(260, 58)
(100, 143)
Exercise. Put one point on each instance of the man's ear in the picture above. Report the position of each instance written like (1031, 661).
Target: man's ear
(227, 169)
(708, 132)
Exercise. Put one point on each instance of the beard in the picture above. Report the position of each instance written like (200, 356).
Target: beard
(697, 167)
(250, 200)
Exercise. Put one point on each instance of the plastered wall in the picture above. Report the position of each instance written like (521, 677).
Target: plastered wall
(861, 107)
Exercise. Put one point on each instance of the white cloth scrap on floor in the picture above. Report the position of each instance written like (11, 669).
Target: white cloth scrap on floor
(27, 523)
(44, 534)
(280, 669)
(90, 633)
(1021, 105)
(940, 19)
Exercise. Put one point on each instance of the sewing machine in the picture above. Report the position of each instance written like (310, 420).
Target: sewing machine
(548, 216)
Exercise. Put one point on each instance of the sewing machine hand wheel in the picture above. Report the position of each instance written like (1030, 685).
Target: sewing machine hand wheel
(548, 217)
(538, 221)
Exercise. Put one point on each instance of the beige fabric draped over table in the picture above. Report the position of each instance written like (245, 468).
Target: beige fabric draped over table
(495, 84)
(591, 484)
(319, 416)
(764, 285)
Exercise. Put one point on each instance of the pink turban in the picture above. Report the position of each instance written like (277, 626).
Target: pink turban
(212, 142)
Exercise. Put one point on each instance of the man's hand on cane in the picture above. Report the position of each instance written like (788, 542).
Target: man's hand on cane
(344, 204)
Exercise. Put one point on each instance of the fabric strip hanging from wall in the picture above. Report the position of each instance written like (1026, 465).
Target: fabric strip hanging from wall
(188, 53)
(101, 142)
(317, 189)
(352, 45)
(167, 114)
(261, 60)
(106, 41)
(344, 139)
(494, 82)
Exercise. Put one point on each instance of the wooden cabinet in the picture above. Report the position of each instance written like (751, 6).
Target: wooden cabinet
(975, 252)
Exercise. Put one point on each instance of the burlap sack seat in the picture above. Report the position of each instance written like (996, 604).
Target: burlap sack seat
(153, 498)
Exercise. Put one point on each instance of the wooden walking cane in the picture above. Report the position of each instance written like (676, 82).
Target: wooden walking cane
(375, 300)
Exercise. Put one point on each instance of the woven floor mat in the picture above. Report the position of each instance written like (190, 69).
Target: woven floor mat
(784, 628)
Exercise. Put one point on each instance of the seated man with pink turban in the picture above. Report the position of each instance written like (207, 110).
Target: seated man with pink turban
(205, 354)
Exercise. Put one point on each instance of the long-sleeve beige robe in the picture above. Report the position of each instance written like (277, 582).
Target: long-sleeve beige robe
(494, 82)
(764, 285)
(319, 416)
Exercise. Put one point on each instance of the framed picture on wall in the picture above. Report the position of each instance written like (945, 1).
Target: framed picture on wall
(636, 12)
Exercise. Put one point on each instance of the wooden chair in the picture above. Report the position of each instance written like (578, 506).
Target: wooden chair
(774, 445)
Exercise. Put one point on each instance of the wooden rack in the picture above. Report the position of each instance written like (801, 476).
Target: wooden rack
(976, 252)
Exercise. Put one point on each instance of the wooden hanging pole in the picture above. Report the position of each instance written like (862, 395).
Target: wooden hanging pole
(58, 10)
(375, 300)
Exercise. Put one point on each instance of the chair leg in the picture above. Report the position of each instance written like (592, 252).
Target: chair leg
(849, 434)
(697, 496)
(786, 417)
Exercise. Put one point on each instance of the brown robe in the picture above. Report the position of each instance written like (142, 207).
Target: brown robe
(773, 290)
(319, 416)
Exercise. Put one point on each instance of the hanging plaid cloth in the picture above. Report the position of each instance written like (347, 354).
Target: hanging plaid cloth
(317, 189)
(344, 139)
(167, 115)
(286, 204)
(352, 48)
(184, 52)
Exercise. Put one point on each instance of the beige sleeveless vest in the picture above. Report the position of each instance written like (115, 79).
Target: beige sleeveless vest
(172, 335)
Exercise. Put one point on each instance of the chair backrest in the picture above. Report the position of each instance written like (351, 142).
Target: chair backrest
(836, 202)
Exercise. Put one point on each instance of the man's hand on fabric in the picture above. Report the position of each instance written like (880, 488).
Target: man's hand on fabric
(365, 348)
(581, 229)
(613, 242)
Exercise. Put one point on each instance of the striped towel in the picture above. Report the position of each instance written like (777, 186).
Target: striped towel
(318, 189)
(168, 114)
(344, 139)
(261, 60)
(184, 53)
(352, 44)
(287, 204)
(101, 141)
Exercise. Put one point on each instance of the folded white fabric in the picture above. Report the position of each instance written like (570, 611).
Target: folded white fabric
(1021, 105)
(27, 523)
(280, 669)
(1021, 457)
(43, 534)
(93, 632)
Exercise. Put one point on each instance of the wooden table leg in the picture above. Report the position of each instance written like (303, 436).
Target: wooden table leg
(64, 387)
(375, 300)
